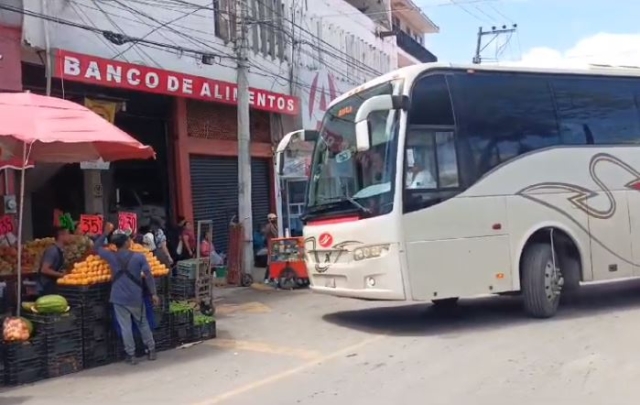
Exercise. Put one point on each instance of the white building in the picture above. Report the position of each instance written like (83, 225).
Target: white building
(344, 43)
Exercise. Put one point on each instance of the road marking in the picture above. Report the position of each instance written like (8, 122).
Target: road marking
(293, 371)
(248, 308)
(261, 347)
(262, 287)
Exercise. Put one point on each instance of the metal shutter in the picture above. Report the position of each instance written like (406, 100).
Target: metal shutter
(261, 187)
(214, 191)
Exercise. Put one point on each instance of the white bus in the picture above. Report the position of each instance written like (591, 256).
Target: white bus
(436, 182)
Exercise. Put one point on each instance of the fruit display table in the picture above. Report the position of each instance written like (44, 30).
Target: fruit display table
(74, 329)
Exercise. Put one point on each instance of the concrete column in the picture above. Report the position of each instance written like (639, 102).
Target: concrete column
(93, 192)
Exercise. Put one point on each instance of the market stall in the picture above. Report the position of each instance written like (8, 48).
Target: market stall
(63, 333)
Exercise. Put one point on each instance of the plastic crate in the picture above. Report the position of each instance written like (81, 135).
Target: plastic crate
(162, 285)
(182, 288)
(181, 318)
(96, 354)
(182, 333)
(193, 268)
(56, 323)
(63, 364)
(24, 362)
(204, 332)
(82, 295)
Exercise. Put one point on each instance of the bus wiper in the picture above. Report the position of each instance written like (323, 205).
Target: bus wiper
(357, 204)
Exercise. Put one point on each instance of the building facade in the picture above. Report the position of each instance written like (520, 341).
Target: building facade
(166, 74)
(342, 44)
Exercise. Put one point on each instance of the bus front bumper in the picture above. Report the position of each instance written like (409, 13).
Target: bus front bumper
(377, 278)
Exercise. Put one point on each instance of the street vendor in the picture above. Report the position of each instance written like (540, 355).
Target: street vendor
(127, 291)
(52, 263)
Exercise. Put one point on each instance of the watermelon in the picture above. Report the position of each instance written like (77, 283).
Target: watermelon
(51, 304)
(28, 306)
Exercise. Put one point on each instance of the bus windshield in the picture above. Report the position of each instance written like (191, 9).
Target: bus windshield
(343, 179)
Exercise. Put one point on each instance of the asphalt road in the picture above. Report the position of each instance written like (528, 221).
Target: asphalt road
(282, 348)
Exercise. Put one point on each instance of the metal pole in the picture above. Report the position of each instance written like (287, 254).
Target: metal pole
(20, 216)
(47, 43)
(244, 150)
(476, 58)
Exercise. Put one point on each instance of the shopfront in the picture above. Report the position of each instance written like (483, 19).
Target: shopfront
(142, 187)
(190, 122)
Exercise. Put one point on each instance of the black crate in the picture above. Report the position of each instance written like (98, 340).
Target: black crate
(82, 295)
(182, 288)
(162, 338)
(24, 362)
(181, 318)
(96, 354)
(64, 363)
(181, 334)
(96, 310)
(204, 332)
(162, 285)
(25, 372)
(53, 325)
(34, 349)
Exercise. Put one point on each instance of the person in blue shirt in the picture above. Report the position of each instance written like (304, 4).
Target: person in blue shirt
(127, 290)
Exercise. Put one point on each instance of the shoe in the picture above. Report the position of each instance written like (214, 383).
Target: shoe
(131, 360)
(152, 356)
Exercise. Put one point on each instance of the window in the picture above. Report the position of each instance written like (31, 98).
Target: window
(500, 116)
(430, 102)
(431, 161)
(221, 19)
(597, 110)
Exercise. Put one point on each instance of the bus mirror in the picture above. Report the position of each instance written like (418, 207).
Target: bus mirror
(363, 136)
(304, 135)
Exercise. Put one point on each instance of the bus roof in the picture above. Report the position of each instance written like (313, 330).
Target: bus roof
(410, 72)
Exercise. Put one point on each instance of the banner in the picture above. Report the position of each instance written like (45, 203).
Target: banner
(105, 109)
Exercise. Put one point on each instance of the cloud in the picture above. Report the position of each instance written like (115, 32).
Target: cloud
(602, 48)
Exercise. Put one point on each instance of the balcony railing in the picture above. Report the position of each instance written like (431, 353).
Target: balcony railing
(414, 48)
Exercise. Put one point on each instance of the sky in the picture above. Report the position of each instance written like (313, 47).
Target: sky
(550, 33)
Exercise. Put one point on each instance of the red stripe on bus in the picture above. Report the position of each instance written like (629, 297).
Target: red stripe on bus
(334, 221)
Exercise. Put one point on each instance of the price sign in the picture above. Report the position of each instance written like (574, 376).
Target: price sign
(128, 221)
(6, 225)
(91, 224)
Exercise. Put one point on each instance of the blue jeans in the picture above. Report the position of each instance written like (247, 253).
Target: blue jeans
(125, 316)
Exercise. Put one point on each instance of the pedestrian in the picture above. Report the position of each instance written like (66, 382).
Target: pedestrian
(127, 291)
(187, 245)
(157, 239)
(270, 231)
(52, 263)
(207, 249)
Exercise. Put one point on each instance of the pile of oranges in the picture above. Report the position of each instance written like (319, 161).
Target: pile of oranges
(94, 270)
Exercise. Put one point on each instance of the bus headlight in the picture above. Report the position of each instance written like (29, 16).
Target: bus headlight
(369, 252)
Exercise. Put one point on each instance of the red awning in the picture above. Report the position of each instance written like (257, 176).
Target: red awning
(61, 131)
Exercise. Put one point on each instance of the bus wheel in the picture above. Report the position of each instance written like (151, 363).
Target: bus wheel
(570, 273)
(445, 303)
(541, 283)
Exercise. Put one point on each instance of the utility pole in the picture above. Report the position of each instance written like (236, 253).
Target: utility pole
(245, 216)
(495, 32)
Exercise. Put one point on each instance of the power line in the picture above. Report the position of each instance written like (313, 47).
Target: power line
(115, 38)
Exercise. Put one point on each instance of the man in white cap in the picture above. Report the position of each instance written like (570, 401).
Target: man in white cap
(270, 231)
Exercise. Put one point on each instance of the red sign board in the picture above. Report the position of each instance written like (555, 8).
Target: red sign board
(128, 221)
(105, 72)
(6, 225)
(91, 224)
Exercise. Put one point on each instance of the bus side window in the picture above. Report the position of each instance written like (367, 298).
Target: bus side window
(596, 110)
(500, 116)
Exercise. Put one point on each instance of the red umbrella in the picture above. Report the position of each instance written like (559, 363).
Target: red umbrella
(48, 129)
(57, 130)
